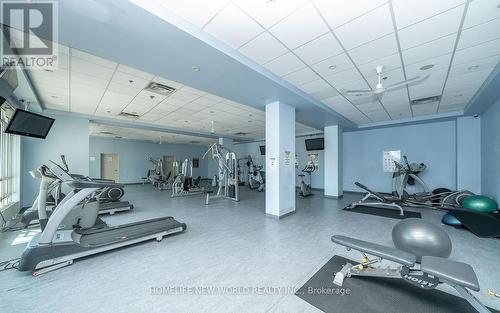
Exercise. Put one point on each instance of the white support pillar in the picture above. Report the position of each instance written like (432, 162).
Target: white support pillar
(226, 142)
(280, 159)
(333, 161)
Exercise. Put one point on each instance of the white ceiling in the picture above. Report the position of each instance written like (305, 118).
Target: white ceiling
(299, 40)
(108, 131)
(87, 84)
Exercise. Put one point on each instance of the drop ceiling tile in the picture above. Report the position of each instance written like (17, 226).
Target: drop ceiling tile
(374, 50)
(390, 63)
(92, 69)
(110, 95)
(123, 89)
(346, 76)
(368, 27)
(340, 62)
(424, 109)
(388, 78)
(285, 64)
(129, 80)
(325, 93)
(433, 28)
(409, 12)
(194, 11)
(479, 34)
(291, 30)
(399, 114)
(315, 86)
(268, 16)
(340, 12)
(358, 84)
(184, 96)
(319, 49)
(233, 27)
(191, 90)
(54, 82)
(476, 65)
(440, 63)
(301, 77)
(484, 50)
(149, 96)
(204, 101)
(78, 56)
(263, 49)
(419, 92)
(87, 80)
(480, 12)
(132, 71)
(452, 108)
(168, 82)
(469, 80)
(435, 48)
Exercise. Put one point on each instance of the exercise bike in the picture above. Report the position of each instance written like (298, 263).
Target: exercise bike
(255, 177)
(305, 189)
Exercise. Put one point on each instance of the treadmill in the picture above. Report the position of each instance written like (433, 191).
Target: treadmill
(52, 182)
(57, 246)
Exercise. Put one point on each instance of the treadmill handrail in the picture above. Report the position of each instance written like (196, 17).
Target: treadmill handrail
(60, 213)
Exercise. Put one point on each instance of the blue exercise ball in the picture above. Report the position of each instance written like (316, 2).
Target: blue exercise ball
(450, 219)
(421, 238)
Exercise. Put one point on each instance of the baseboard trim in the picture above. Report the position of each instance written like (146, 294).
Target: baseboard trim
(281, 216)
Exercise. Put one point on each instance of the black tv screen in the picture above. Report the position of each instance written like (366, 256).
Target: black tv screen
(29, 124)
(315, 144)
(262, 150)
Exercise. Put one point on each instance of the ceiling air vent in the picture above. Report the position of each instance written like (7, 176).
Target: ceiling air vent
(118, 137)
(128, 115)
(425, 100)
(194, 141)
(240, 134)
(107, 133)
(160, 89)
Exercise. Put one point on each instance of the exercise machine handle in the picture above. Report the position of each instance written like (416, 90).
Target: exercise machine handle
(63, 158)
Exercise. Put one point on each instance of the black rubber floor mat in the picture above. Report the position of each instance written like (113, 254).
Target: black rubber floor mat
(383, 212)
(375, 295)
(486, 225)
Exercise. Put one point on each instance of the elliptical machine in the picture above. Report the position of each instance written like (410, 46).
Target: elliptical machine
(305, 189)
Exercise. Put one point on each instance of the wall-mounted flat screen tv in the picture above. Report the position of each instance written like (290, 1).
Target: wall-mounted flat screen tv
(29, 124)
(315, 144)
(262, 150)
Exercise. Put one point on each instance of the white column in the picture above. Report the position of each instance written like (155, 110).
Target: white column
(226, 142)
(280, 159)
(333, 161)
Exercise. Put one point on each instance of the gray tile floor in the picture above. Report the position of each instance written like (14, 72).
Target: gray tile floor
(227, 244)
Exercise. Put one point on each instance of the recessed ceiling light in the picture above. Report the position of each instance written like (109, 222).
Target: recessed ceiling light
(332, 67)
(473, 67)
(427, 67)
(270, 3)
(130, 81)
(195, 68)
(151, 97)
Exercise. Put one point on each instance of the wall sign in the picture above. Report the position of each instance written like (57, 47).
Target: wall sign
(272, 162)
(388, 160)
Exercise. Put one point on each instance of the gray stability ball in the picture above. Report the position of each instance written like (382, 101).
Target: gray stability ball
(421, 238)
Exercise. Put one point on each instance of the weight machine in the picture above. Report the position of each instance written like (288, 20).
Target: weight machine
(228, 182)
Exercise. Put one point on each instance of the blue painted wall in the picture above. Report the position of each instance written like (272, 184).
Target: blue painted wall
(68, 136)
(134, 156)
(433, 144)
(490, 151)
(469, 154)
